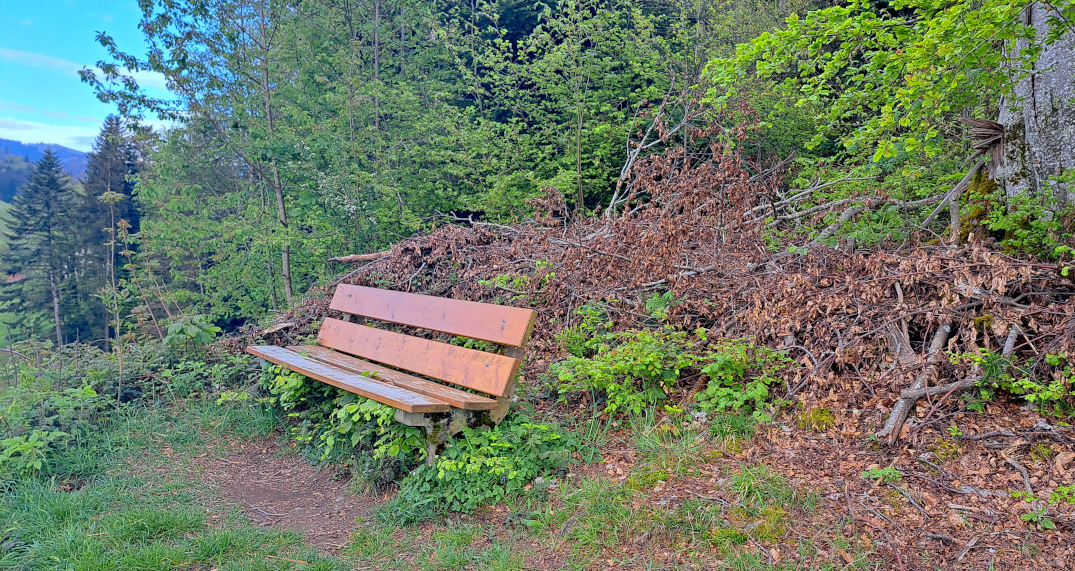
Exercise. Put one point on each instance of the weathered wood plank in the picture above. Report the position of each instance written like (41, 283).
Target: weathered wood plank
(452, 396)
(486, 372)
(500, 324)
(348, 381)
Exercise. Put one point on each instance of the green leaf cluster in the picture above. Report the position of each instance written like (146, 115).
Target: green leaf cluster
(636, 370)
(483, 466)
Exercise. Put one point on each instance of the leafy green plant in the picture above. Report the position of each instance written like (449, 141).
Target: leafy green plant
(740, 374)
(26, 454)
(659, 305)
(191, 332)
(882, 475)
(1063, 494)
(1040, 518)
(587, 335)
(636, 370)
(369, 420)
(483, 466)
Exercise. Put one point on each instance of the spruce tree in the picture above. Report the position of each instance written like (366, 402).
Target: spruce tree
(40, 241)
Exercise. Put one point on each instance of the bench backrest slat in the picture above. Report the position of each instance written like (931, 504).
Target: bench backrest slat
(500, 324)
(486, 372)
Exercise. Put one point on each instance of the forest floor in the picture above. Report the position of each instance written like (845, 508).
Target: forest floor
(201, 485)
(661, 496)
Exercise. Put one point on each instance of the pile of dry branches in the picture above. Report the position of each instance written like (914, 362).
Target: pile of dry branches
(885, 319)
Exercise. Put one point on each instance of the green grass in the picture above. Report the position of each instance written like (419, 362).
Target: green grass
(108, 505)
(115, 501)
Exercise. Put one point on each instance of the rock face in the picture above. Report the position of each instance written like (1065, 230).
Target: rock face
(1039, 140)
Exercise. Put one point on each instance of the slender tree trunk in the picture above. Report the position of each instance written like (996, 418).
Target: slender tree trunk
(579, 197)
(55, 306)
(277, 182)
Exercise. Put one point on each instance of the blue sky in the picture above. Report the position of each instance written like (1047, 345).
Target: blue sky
(43, 44)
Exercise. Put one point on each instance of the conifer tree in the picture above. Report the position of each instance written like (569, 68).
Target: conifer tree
(40, 240)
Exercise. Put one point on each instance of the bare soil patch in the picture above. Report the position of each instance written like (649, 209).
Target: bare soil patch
(277, 489)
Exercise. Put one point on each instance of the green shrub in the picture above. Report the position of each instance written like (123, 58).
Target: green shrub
(1054, 393)
(637, 369)
(740, 375)
(585, 337)
(333, 423)
(26, 454)
(483, 466)
(191, 332)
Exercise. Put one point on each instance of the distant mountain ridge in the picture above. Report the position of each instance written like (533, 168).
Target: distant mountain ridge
(16, 161)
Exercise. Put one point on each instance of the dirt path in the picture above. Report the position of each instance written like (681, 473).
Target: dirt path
(276, 489)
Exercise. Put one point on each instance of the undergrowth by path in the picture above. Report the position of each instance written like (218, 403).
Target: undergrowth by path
(129, 498)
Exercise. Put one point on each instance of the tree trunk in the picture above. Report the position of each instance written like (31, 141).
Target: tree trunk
(277, 182)
(55, 306)
(1039, 138)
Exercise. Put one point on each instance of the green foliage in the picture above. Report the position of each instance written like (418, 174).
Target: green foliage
(636, 373)
(25, 454)
(369, 420)
(334, 424)
(882, 475)
(1053, 394)
(192, 331)
(886, 78)
(1063, 494)
(659, 305)
(585, 337)
(637, 369)
(740, 374)
(1040, 518)
(484, 466)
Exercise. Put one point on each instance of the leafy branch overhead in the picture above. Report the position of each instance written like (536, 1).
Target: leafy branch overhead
(888, 81)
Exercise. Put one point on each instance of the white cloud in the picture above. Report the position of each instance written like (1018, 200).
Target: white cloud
(73, 136)
(71, 69)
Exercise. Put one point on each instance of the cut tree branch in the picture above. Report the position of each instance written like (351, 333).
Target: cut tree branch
(903, 407)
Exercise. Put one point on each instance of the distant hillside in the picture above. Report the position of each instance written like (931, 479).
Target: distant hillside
(16, 161)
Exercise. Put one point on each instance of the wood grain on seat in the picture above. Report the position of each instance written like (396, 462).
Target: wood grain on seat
(500, 324)
(379, 391)
(486, 372)
(452, 396)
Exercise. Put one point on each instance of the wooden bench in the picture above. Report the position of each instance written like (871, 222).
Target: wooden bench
(396, 369)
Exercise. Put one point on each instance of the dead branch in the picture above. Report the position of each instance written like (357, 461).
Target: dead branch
(16, 354)
(278, 327)
(920, 392)
(903, 407)
(955, 193)
(357, 258)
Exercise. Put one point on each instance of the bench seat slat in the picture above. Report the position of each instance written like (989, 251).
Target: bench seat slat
(500, 324)
(486, 372)
(381, 392)
(452, 396)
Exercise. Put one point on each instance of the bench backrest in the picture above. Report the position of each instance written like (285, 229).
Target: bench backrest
(486, 372)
